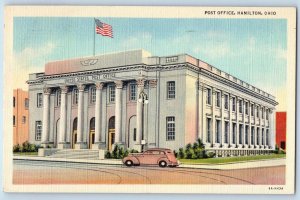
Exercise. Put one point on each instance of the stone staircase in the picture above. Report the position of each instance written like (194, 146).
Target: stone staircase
(76, 154)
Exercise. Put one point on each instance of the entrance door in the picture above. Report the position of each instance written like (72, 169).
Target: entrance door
(111, 138)
(74, 139)
(74, 133)
(91, 139)
(111, 132)
(92, 133)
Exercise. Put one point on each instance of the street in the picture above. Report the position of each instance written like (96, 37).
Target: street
(48, 172)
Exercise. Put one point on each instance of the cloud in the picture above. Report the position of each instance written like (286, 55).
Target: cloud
(30, 60)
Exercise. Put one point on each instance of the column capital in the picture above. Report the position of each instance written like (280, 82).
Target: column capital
(119, 84)
(81, 87)
(99, 85)
(153, 83)
(47, 90)
(140, 82)
(64, 89)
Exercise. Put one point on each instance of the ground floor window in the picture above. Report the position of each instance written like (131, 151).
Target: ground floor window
(263, 136)
(246, 134)
(170, 128)
(267, 137)
(38, 130)
(226, 129)
(234, 133)
(252, 135)
(240, 134)
(257, 136)
(208, 126)
(218, 131)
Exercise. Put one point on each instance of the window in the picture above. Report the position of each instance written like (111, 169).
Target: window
(234, 133)
(23, 119)
(252, 109)
(257, 136)
(39, 100)
(252, 135)
(240, 106)
(263, 136)
(262, 112)
(218, 99)
(226, 129)
(226, 101)
(208, 96)
(93, 95)
(233, 104)
(257, 111)
(38, 130)
(75, 96)
(267, 137)
(218, 131)
(112, 93)
(170, 128)
(171, 89)
(58, 97)
(14, 101)
(241, 134)
(132, 92)
(134, 134)
(246, 134)
(14, 120)
(208, 125)
(267, 114)
(246, 108)
(26, 103)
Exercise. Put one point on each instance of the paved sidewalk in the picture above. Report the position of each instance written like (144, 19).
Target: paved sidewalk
(240, 165)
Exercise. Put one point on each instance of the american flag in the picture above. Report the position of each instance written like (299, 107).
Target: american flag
(103, 29)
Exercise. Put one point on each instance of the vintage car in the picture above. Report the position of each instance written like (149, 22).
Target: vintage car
(155, 156)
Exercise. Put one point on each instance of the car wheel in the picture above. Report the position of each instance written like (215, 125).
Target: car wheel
(128, 163)
(162, 163)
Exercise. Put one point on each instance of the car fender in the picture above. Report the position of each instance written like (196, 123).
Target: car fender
(163, 159)
(133, 159)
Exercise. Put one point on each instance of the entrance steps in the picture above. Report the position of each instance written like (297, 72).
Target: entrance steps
(76, 154)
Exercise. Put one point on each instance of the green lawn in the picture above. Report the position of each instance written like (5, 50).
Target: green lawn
(26, 154)
(230, 159)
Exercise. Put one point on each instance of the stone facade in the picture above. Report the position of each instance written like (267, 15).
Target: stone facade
(141, 101)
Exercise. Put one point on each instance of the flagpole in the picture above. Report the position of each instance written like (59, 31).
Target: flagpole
(94, 36)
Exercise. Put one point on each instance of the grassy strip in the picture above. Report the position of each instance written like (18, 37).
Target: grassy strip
(26, 154)
(230, 159)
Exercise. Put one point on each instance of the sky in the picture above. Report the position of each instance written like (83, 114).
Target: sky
(253, 50)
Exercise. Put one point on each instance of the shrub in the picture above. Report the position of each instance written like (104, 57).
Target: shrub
(210, 154)
(199, 153)
(16, 148)
(200, 143)
(107, 154)
(181, 153)
(26, 146)
(189, 153)
(133, 151)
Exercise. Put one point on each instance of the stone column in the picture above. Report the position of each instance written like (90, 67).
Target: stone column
(244, 123)
(98, 144)
(265, 125)
(272, 133)
(237, 122)
(213, 103)
(63, 119)
(222, 120)
(118, 112)
(230, 131)
(204, 128)
(81, 144)
(200, 112)
(139, 115)
(46, 116)
(255, 127)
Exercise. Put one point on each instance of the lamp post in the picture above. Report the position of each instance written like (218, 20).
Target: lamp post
(143, 99)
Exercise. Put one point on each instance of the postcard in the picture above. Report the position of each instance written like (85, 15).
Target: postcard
(149, 99)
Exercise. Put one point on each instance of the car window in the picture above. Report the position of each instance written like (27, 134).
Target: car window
(148, 152)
